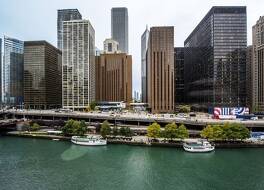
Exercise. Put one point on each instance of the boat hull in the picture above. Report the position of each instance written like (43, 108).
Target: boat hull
(88, 141)
(198, 150)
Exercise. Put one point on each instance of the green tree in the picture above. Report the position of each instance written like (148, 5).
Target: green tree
(184, 109)
(92, 105)
(239, 131)
(207, 132)
(73, 127)
(115, 131)
(182, 132)
(34, 127)
(170, 131)
(105, 129)
(153, 130)
(218, 132)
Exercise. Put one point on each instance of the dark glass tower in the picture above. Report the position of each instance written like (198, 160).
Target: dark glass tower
(65, 15)
(179, 75)
(42, 75)
(215, 59)
(119, 27)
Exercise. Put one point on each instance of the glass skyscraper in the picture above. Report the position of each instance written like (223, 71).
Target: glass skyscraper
(65, 15)
(144, 47)
(215, 59)
(179, 97)
(78, 64)
(13, 72)
(119, 27)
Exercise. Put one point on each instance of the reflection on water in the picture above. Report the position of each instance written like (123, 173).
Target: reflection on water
(74, 152)
(77, 151)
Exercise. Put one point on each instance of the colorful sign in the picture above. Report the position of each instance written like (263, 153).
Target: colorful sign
(230, 111)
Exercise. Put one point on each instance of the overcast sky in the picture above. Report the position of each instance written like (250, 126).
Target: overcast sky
(37, 19)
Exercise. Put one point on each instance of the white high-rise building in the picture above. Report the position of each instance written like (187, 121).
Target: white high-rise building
(78, 64)
(111, 46)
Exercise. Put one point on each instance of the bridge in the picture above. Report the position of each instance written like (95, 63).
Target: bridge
(131, 120)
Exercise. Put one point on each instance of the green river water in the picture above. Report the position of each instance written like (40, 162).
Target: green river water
(31, 164)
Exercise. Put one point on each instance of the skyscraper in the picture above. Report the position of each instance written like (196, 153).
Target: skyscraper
(144, 47)
(13, 72)
(111, 46)
(65, 15)
(119, 27)
(42, 75)
(179, 97)
(249, 77)
(114, 77)
(215, 59)
(0, 71)
(257, 66)
(160, 69)
(78, 64)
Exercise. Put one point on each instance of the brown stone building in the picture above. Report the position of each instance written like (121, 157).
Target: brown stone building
(114, 77)
(160, 70)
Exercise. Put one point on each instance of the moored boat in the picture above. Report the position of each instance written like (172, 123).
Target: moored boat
(198, 146)
(89, 140)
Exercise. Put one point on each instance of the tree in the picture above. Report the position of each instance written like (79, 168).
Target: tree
(170, 131)
(153, 130)
(207, 132)
(92, 105)
(182, 132)
(73, 127)
(115, 131)
(227, 131)
(184, 109)
(34, 127)
(105, 129)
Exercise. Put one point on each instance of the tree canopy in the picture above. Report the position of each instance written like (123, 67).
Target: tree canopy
(228, 131)
(153, 130)
(105, 129)
(73, 127)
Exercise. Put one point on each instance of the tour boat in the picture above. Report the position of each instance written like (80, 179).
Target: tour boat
(198, 146)
(90, 140)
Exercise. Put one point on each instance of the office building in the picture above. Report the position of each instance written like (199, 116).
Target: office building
(78, 64)
(257, 67)
(119, 27)
(160, 70)
(249, 77)
(42, 75)
(215, 59)
(65, 15)
(13, 72)
(179, 97)
(144, 47)
(111, 46)
(114, 77)
(1, 71)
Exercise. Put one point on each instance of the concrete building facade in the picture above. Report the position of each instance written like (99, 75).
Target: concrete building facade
(42, 75)
(257, 66)
(111, 46)
(114, 77)
(65, 15)
(160, 70)
(78, 64)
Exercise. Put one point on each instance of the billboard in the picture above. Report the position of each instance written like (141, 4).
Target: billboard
(232, 111)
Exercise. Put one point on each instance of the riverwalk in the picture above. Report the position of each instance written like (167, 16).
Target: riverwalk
(144, 141)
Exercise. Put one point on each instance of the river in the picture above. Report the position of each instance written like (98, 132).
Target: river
(31, 164)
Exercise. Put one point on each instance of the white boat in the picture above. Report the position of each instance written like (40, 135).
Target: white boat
(198, 146)
(90, 140)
